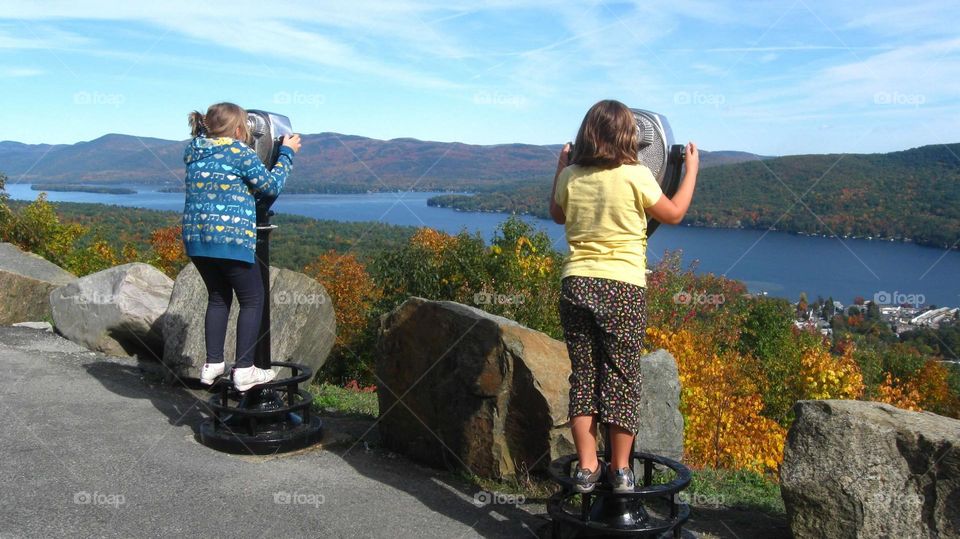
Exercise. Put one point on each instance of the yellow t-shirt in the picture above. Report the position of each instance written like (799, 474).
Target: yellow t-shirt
(606, 224)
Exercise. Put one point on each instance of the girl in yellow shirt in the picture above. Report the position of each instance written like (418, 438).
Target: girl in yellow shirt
(603, 196)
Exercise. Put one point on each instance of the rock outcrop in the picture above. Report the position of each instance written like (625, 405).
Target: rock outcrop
(302, 322)
(866, 469)
(466, 389)
(115, 311)
(661, 423)
(26, 281)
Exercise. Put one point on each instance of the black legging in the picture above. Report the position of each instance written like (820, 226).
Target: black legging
(222, 277)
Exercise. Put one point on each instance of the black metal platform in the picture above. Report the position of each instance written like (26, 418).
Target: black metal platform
(275, 417)
(651, 510)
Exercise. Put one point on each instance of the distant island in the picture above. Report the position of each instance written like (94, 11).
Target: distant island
(70, 188)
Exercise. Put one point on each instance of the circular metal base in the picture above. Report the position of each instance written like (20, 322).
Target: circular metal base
(650, 510)
(274, 417)
(613, 517)
(262, 443)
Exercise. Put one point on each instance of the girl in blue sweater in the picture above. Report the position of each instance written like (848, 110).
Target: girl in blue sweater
(224, 175)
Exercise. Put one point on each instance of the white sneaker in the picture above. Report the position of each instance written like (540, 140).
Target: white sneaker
(209, 372)
(244, 379)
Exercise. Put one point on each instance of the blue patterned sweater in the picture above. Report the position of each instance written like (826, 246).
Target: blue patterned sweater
(219, 213)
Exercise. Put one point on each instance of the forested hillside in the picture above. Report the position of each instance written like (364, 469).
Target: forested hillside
(910, 195)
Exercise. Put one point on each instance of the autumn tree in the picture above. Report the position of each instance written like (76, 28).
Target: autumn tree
(722, 405)
(168, 252)
(931, 382)
(897, 393)
(351, 290)
(354, 295)
(97, 256)
(37, 229)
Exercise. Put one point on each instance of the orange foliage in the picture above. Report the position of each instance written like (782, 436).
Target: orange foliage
(432, 240)
(932, 383)
(351, 289)
(169, 255)
(721, 406)
(893, 391)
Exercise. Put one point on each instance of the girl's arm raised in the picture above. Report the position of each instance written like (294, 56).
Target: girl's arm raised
(270, 182)
(672, 211)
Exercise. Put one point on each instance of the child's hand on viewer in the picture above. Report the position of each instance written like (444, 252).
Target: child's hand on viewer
(293, 142)
(692, 158)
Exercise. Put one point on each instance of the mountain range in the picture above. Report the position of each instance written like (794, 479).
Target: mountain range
(328, 162)
(910, 195)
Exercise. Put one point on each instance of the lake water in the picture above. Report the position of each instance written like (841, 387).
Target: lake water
(778, 263)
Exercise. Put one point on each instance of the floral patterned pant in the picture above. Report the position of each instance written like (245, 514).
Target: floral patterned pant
(604, 322)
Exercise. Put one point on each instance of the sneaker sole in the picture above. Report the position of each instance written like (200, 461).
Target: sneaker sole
(247, 387)
(584, 490)
(210, 381)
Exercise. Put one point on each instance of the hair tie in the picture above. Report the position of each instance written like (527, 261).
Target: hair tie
(203, 125)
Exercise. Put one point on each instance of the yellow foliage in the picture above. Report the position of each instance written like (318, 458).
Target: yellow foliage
(721, 405)
(825, 376)
(529, 262)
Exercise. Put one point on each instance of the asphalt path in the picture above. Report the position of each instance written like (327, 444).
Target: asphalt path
(96, 446)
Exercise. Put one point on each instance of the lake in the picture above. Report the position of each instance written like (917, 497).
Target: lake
(778, 263)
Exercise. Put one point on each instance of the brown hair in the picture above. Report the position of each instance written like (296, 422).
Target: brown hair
(608, 137)
(221, 120)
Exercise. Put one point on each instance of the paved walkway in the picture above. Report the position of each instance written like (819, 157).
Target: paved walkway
(92, 448)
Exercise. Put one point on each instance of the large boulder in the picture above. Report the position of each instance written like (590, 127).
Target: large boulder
(463, 388)
(866, 469)
(661, 423)
(26, 281)
(115, 311)
(302, 322)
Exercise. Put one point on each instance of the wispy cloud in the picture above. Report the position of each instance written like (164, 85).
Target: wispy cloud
(20, 71)
(782, 63)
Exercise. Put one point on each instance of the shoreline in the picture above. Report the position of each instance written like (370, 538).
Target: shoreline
(908, 241)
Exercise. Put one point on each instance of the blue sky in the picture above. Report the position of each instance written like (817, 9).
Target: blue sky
(768, 77)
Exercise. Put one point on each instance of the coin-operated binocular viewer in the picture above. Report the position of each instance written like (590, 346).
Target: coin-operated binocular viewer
(277, 416)
(655, 507)
(659, 154)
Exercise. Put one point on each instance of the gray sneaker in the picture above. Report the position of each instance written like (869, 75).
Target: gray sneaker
(622, 480)
(586, 480)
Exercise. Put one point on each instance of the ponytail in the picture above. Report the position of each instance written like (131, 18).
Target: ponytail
(197, 126)
(221, 120)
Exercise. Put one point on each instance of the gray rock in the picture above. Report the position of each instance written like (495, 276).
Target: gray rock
(661, 423)
(465, 389)
(115, 311)
(43, 326)
(302, 322)
(26, 281)
(866, 469)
